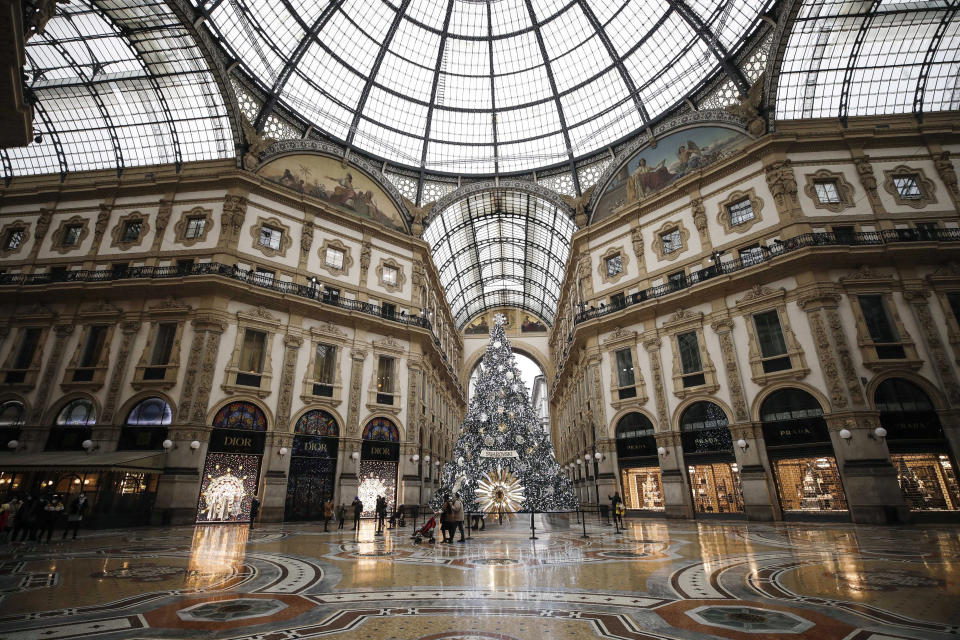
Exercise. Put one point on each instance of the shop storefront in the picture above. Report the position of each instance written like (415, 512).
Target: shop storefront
(313, 465)
(640, 475)
(231, 471)
(711, 465)
(918, 447)
(801, 455)
(379, 464)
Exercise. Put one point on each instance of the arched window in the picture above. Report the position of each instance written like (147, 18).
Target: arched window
(703, 415)
(897, 395)
(77, 413)
(11, 414)
(634, 425)
(152, 412)
(789, 404)
(381, 429)
(240, 415)
(317, 423)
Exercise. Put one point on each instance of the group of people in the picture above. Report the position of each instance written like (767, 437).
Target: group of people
(32, 518)
(451, 518)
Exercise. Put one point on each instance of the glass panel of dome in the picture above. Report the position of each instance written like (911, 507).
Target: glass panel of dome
(468, 18)
(388, 143)
(631, 25)
(517, 52)
(310, 102)
(605, 129)
(417, 79)
(509, 17)
(566, 32)
(242, 37)
(461, 126)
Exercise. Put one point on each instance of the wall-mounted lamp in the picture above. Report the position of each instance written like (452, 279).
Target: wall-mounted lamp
(586, 458)
(662, 451)
(88, 446)
(355, 455)
(879, 433)
(436, 463)
(415, 457)
(167, 445)
(14, 445)
(743, 444)
(579, 462)
(845, 434)
(194, 445)
(598, 456)
(282, 451)
(426, 458)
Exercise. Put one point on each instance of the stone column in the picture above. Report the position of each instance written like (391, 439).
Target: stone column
(937, 351)
(275, 467)
(759, 494)
(676, 489)
(50, 372)
(409, 489)
(129, 329)
(357, 356)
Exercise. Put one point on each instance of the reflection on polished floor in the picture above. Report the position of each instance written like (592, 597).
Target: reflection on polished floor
(657, 579)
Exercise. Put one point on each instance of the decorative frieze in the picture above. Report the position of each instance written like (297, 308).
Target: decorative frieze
(291, 349)
(63, 333)
(357, 356)
(917, 298)
(659, 388)
(724, 330)
(128, 330)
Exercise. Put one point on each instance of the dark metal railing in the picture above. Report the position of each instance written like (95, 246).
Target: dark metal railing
(765, 254)
(258, 280)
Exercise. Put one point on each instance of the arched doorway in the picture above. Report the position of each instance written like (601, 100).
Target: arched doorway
(801, 454)
(379, 464)
(711, 466)
(231, 471)
(639, 468)
(313, 465)
(918, 447)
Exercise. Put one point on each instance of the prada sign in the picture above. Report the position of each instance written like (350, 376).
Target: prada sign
(380, 450)
(796, 432)
(237, 441)
(636, 447)
(706, 440)
(315, 447)
(912, 425)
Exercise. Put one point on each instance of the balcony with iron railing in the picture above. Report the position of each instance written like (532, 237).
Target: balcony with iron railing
(767, 254)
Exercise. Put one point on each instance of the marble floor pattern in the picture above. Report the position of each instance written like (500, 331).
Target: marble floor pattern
(655, 580)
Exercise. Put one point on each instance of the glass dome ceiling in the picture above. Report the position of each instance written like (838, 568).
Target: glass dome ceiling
(482, 86)
(500, 248)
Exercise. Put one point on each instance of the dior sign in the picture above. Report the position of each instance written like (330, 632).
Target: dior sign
(237, 441)
(378, 450)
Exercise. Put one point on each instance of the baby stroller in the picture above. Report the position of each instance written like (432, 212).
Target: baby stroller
(426, 531)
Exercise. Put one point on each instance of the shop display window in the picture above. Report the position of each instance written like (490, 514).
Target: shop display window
(928, 481)
(809, 484)
(229, 481)
(377, 478)
(716, 487)
(642, 488)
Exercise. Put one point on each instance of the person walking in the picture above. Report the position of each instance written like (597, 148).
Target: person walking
(51, 515)
(457, 518)
(357, 510)
(615, 502)
(254, 509)
(446, 519)
(78, 508)
(25, 520)
(341, 515)
(381, 513)
(327, 512)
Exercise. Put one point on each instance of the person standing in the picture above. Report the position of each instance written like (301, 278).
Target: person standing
(51, 514)
(615, 502)
(78, 508)
(25, 519)
(357, 510)
(254, 509)
(341, 515)
(327, 512)
(446, 520)
(381, 513)
(457, 518)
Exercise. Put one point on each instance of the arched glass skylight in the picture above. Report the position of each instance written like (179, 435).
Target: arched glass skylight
(500, 248)
(482, 86)
(119, 84)
(871, 57)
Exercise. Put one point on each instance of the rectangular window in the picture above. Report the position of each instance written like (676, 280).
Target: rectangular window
(96, 336)
(388, 309)
(907, 187)
(324, 363)
(263, 276)
(14, 239)
(390, 275)
(28, 346)
(331, 294)
(270, 237)
(690, 362)
(58, 273)
(131, 230)
(880, 327)
(385, 380)
(252, 352)
(195, 227)
(618, 300)
(827, 192)
(333, 258)
(163, 343)
(845, 234)
(614, 265)
(625, 377)
(671, 241)
(185, 266)
(773, 348)
(751, 255)
(677, 280)
(71, 235)
(740, 212)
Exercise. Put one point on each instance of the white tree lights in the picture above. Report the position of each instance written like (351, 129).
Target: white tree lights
(504, 461)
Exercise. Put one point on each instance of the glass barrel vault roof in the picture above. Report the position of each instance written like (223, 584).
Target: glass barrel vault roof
(500, 248)
(481, 86)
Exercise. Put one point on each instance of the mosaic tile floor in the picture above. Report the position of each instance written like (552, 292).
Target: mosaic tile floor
(656, 580)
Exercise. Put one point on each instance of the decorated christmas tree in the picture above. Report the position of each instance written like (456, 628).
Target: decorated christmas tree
(503, 460)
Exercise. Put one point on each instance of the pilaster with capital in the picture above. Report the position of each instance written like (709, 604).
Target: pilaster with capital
(128, 330)
(52, 370)
(917, 298)
(40, 233)
(724, 330)
(99, 229)
(868, 180)
(291, 350)
(782, 183)
(200, 369)
(231, 220)
(357, 357)
(163, 219)
(652, 348)
(700, 222)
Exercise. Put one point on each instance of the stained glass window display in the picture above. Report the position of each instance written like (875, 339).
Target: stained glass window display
(240, 415)
(716, 487)
(928, 481)
(229, 481)
(381, 429)
(317, 423)
(377, 478)
(809, 484)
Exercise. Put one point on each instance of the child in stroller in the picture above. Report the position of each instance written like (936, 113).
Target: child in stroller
(426, 531)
